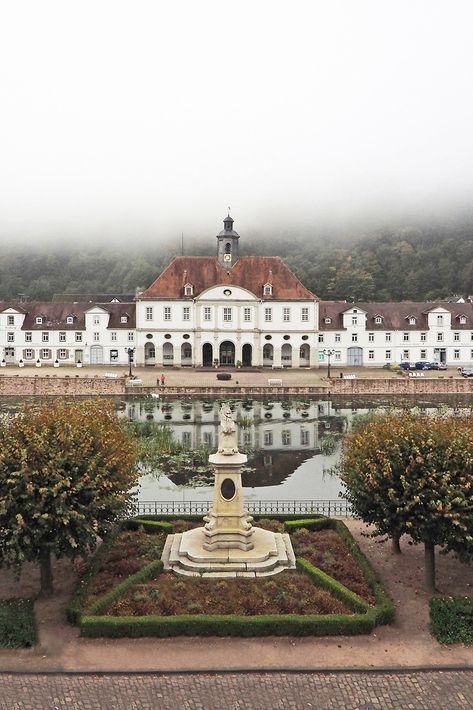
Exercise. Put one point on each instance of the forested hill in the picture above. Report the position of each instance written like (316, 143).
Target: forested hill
(405, 264)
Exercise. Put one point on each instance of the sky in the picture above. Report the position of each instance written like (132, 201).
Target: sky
(145, 119)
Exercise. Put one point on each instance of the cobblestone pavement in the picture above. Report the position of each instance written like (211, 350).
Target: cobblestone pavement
(248, 691)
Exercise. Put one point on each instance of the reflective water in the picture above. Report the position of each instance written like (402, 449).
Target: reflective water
(287, 441)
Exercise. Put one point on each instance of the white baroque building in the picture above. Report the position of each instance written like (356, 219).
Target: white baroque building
(231, 310)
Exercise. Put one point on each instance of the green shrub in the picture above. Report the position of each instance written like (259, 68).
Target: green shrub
(150, 571)
(149, 526)
(74, 608)
(451, 619)
(337, 590)
(308, 523)
(213, 625)
(17, 623)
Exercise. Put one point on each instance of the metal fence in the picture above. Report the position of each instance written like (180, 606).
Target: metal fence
(339, 507)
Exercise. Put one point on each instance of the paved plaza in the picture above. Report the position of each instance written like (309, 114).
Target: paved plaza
(248, 691)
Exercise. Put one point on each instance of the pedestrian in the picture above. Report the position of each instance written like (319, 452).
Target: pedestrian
(341, 375)
(162, 380)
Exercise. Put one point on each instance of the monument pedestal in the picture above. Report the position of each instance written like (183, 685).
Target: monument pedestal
(228, 545)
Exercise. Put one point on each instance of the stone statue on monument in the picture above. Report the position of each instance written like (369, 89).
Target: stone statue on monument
(227, 433)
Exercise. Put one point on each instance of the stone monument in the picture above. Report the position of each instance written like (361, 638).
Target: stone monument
(228, 545)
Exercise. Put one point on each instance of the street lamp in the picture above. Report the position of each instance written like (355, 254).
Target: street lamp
(328, 352)
(130, 352)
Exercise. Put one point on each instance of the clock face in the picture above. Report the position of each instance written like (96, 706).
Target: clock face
(227, 257)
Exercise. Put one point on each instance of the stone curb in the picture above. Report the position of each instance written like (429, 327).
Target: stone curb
(381, 670)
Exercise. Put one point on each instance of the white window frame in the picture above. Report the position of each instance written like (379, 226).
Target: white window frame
(207, 313)
(338, 337)
(286, 314)
(247, 314)
(456, 354)
(78, 337)
(186, 312)
(45, 337)
(371, 337)
(96, 320)
(304, 314)
(456, 337)
(28, 337)
(10, 337)
(113, 336)
(62, 354)
(167, 313)
(10, 320)
(96, 337)
(39, 320)
(131, 336)
(423, 337)
(149, 313)
(62, 337)
(370, 354)
(268, 315)
(227, 314)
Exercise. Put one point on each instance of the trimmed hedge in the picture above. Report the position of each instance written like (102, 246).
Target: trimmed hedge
(149, 526)
(151, 570)
(365, 618)
(384, 608)
(219, 625)
(75, 606)
(17, 623)
(451, 619)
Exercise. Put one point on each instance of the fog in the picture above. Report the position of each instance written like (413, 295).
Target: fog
(142, 120)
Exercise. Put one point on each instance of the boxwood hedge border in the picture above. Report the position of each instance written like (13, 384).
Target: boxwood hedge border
(93, 623)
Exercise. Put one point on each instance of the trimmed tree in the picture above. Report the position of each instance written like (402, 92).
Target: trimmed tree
(66, 470)
(410, 473)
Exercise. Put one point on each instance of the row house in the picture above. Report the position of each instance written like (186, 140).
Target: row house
(376, 334)
(66, 333)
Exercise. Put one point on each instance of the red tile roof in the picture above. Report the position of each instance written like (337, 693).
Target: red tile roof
(249, 272)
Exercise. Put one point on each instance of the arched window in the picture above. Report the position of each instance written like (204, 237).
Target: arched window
(228, 248)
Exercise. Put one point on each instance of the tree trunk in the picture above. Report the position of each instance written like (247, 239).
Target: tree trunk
(46, 574)
(429, 558)
(396, 544)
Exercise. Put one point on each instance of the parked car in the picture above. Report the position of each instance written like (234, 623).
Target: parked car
(466, 371)
(422, 365)
(437, 366)
(407, 366)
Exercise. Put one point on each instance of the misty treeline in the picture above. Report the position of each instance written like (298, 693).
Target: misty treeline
(404, 264)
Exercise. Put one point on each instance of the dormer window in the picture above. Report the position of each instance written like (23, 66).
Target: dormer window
(39, 320)
(267, 290)
(327, 320)
(378, 320)
(188, 290)
(70, 320)
(124, 319)
(462, 320)
(412, 320)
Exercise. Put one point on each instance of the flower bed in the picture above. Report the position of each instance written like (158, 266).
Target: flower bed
(129, 594)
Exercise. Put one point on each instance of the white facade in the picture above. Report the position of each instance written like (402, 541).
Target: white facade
(230, 325)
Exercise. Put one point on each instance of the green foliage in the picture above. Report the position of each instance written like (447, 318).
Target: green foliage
(338, 590)
(407, 473)
(427, 262)
(17, 623)
(451, 619)
(66, 469)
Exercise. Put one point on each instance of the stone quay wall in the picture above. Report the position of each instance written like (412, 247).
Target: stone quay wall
(403, 385)
(18, 385)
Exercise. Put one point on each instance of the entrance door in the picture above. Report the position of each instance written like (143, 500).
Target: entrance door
(10, 354)
(304, 355)
(207, 355)
(150, 354)
(168, 354)
(440, 355)
(78, 356)
(246, 354)
(354, 357)
(227, 353)
(96, 355)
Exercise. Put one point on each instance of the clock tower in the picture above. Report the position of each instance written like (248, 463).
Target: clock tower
(227, 245)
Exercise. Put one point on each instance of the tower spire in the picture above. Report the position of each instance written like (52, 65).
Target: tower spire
(227, 245)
